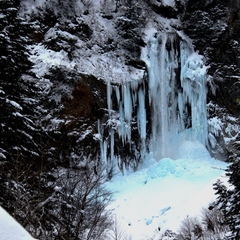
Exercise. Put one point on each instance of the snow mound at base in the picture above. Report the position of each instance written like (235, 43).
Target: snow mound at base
(193, 150)
(159, 197)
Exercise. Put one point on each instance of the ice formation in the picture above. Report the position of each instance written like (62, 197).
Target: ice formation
(177, 94)
(167, 107)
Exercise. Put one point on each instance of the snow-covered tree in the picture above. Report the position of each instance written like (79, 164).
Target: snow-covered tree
(229, 198)
(22, 141)
(74, 209)
(19, 133)
(17, 88)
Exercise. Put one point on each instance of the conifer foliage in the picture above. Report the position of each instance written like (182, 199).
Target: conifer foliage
(50, 201)
(17, 87)
(18, 103)
(229, 198)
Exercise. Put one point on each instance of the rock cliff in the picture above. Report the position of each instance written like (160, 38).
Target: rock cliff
(93, 44)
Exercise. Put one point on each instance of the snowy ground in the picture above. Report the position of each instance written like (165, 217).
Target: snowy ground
(10, 229)
(162, 194)
(159, 196)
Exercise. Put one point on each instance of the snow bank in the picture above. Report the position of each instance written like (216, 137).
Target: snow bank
(160, 196)
(10, 229)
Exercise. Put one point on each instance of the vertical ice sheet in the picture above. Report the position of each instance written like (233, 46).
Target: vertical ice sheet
(163, 90)
(193, 81)
(158, 87)
(177, 94)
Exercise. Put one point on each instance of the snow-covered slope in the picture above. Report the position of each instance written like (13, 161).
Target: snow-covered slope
(10, 229)
(160, 196)
(156, 198)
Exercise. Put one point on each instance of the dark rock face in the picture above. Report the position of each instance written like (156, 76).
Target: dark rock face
(165, 10)
(80, 113)
(214, 27)
(87, 100)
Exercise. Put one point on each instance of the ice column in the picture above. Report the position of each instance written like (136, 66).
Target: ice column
(177, 94)
(193, 81)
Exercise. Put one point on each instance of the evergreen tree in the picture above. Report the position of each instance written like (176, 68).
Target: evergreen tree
(228, 199)
(17, 87)
(33, 186)
(20, 150)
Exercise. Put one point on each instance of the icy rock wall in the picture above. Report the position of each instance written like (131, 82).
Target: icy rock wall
(167, 108)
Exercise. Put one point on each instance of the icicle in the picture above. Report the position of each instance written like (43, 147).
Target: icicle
(142, 121)
(109, 97)
(127, 102)
(112, 144)
(117, 93)
(103, 146)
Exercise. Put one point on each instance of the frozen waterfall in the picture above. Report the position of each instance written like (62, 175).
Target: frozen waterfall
(177, 92)
(155, 115)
